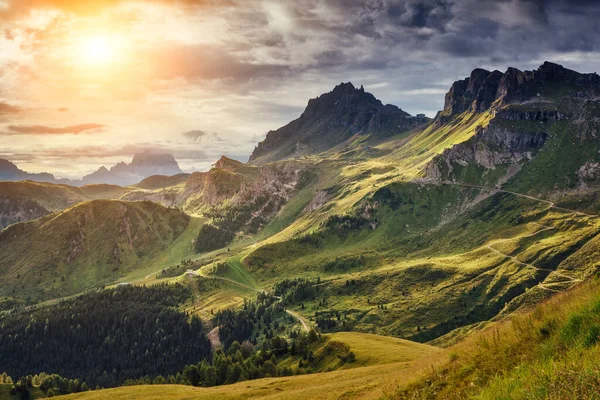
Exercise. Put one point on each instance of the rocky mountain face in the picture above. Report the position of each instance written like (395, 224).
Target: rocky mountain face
(531, 113)
(331, 119)
(483, 90)
(234, 195)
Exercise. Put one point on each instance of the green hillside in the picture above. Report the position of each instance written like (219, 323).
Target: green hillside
(83, 247)
(161, 181)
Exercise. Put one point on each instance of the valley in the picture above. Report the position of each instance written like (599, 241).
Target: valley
(354, 229)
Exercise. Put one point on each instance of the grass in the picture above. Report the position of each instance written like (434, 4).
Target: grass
(430, 269)
(366, 379)
(550, 352)
(181, 248)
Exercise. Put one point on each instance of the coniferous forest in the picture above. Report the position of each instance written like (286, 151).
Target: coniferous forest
(105, 338)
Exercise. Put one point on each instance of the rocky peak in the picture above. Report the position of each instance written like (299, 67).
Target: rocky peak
(343, 98)
(330, 120)
(142, 166)
(484, 89)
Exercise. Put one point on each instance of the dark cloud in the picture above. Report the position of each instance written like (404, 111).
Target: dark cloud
(6, 108)
(47, 130)
(194, 135)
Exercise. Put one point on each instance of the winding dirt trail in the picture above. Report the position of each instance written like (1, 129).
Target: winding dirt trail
(221, 278)
(297, 316)
(495, 190)
(300, 318)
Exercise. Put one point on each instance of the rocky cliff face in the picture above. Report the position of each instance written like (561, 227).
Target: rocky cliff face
(329, 120)
(489, 148)
(529, 110)
(15, 209)
(483, 89)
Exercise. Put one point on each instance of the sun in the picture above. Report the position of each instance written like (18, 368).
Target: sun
(97, 50)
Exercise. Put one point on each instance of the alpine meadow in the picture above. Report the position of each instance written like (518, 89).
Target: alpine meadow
(156, 244)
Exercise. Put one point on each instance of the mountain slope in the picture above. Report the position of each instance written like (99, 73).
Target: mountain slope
(25, 200)
(161, 181)
(550, 352)
(84, 246)
(330, 120)
(420, 229)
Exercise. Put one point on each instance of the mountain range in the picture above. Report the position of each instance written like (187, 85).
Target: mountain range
(143, 165)
(352, 224)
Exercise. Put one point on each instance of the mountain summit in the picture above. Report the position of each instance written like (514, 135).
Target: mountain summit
(331, 119)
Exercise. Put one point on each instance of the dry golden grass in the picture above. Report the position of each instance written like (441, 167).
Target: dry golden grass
(381, 363)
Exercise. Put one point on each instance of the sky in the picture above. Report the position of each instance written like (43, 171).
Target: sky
(90, 83)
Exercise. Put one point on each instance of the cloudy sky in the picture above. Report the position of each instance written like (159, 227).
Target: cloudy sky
(89, 83)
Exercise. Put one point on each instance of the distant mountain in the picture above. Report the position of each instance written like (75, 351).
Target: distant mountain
(141, 167)
(10, 172)
(330, 120)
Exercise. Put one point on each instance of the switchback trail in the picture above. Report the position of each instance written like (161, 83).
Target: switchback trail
(196, 273)
(550, 203)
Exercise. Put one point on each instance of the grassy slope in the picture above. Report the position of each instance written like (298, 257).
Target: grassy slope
(88, 244)
(550, 352)
(379, 362)
(26, 200)
(156, 182)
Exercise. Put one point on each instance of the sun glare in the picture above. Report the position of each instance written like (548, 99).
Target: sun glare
(97, 50)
